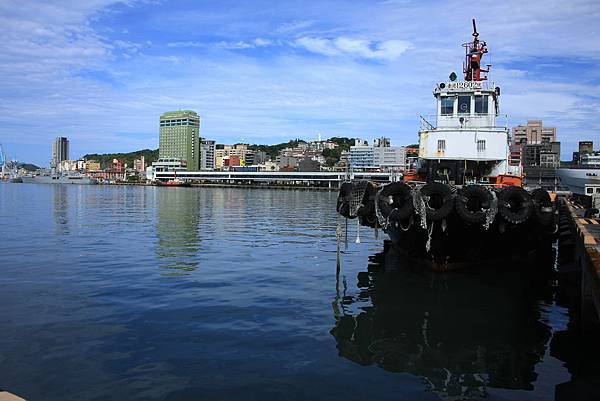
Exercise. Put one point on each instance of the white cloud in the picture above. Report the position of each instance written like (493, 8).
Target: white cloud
(359, 48)
(258, 42)
(185, 44)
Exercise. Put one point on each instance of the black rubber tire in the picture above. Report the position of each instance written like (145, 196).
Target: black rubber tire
(343, 200)
(401, 206)
(441, 200)
(543, 209)
(368, 201)
(473, 197)
(515, 205)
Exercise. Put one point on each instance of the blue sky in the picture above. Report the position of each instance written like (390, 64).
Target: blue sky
(101, 72)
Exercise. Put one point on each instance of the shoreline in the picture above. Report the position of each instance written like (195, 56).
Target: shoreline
(245, 186)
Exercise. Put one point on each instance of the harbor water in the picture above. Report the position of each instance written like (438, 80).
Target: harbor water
(147, 293)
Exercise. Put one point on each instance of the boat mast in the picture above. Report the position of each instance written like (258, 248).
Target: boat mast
(474, 51)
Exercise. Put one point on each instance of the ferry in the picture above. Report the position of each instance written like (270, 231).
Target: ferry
(464, 203)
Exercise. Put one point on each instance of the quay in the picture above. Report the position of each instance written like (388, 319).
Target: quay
(326, 179)
(586, 263)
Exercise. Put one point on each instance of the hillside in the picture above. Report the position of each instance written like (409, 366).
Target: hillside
(331, 155)
(106, 158)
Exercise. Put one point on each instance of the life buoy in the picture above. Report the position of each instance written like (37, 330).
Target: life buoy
(515, 205)
(473, 203)
(439, 201)
(543, 209)
(395, 201)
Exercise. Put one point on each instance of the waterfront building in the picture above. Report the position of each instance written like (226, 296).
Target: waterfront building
(533, 133)
(139, 165)
(586, 147)
(60, 151)
(381, 155)
(67, 165)
(287, 162)
(268, 165)
(240, 150)
(91, 165)
(180, 137)
(207, 155)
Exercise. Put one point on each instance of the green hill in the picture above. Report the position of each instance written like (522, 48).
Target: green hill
(106, 158)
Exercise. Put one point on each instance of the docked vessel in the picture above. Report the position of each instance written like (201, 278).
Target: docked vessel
(580, 181)
(464, 203)
(59, 179)
(177, 182)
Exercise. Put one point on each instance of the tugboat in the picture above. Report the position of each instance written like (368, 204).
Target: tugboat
(464, 203)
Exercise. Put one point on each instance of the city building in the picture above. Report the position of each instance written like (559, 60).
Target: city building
(585, 148)
(381, 155)
(60, 151)
(533, 133)
(165, 164)
(241, 151)
(91, 165)
(207, 154)
(139, 165)
(180, 137)
(361, 155)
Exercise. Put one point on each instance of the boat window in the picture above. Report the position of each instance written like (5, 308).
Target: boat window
(464, 104)
(598, 190)
(589, 190)
(481, 104)
(447, 105)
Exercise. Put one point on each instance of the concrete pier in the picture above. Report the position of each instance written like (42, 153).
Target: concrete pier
(587, 258)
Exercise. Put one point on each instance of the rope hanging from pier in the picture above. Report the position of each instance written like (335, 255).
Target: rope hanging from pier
(357, 231)
(420, 206)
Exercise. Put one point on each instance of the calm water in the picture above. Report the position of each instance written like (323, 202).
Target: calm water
(143, 293)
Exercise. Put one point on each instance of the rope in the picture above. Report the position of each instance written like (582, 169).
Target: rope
(357, 231)
(428, 244)
(490, 214)
(420, 206)
(410, 223)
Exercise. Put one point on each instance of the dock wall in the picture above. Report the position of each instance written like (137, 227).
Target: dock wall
(587, 258)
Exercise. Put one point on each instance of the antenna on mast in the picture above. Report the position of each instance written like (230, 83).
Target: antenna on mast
(474, 51)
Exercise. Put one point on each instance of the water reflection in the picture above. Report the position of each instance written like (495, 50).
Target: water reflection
(177, 227)
(61, 209)
(462, 333)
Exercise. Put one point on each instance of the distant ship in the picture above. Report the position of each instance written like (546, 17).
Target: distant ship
(580, 181)
(60, 179)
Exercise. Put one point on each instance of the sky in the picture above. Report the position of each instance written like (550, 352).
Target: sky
(101, 72)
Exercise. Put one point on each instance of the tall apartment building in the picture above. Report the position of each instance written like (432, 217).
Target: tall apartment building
(533, 133)
(207, 154)
(60, 151)
(180, 137)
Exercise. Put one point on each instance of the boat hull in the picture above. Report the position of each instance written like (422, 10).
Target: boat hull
(78, 180)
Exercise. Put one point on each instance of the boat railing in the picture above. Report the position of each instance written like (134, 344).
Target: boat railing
(431, 122)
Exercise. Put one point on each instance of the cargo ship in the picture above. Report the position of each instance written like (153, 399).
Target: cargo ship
(463, 203)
